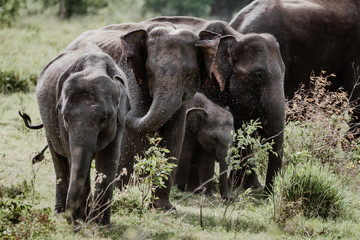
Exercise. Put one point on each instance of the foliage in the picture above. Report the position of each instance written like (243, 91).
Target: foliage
(199, 8)
(9, 10)
(18, 218)
(249, 152)
(10, 81)
(72, 7)
(311, 189)
(153, 168)
(319, 125)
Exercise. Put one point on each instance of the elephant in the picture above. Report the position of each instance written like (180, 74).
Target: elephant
(314, 35)
(83, 105)
(207, 139)
(163, 72)
(246, 73)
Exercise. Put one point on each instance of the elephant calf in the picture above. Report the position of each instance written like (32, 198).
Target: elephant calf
(207, 138)
(83, 104)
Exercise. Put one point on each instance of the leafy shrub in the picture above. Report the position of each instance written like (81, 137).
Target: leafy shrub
(18, 218)
(249, 151)
(318, 124)
(10, 82)
(19, 191)
(128, 200)
(310, 189)
(9, 10)
(152, 168)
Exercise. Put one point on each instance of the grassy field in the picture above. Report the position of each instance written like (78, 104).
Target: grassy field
(32, 42)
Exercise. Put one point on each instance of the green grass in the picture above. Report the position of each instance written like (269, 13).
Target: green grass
(253, 220)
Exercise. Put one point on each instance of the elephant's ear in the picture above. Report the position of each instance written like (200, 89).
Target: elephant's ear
(217, 56)
(194, 117)
(124, 104)
(133, 45)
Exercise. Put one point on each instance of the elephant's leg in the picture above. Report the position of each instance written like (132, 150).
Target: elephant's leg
(173, 134)
(184, 166)
(62, 172)
(193, 181)
(206, 169)
(106, 162)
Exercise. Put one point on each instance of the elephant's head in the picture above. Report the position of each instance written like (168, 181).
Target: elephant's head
(213, 129)
(166, 61)
(248, 72)
(92, 105)
(248, 67)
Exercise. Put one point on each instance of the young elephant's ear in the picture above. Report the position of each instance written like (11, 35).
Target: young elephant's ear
(133, 45)
(194, 117)
(217, 57)
(124, 104)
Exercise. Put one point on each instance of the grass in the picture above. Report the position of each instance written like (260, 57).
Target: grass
(253, 220)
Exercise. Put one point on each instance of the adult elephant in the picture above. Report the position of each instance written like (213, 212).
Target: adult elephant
(246, 73)
(207, 140)
(313, 35)
(162, 65)
(83, 104)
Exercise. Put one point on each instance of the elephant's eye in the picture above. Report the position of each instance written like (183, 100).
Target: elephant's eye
(103, 119)
(258, 75)
(59, 106)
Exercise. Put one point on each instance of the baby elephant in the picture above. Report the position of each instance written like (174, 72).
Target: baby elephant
(83, 104)
(207, 138)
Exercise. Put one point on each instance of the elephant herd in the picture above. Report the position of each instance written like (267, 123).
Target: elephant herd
(192, 81)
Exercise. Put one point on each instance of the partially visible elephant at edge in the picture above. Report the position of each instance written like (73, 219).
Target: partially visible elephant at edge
(163, 70)
(314, 35)
(83, 104)
(246, 73)
(207, 139)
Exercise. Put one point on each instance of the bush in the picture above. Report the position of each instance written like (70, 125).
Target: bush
(10, 81)
(318, 124)
(9, 10)
(309, 189)
(18, 218)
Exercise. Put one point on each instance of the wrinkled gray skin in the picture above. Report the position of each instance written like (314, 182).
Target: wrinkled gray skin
(207, 139)
(83, 104)
(246, 73)
(314, 35)
(162, 68)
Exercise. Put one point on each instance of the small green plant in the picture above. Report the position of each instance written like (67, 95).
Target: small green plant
(249, 152)
(310, 189)
(18, 218)
(152, 168)
(10, 81)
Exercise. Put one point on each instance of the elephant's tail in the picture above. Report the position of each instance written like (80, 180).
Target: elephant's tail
(27, 120)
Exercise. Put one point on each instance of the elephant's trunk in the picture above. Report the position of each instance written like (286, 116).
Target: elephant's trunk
(223, 167)
(81, 150)
(165, 103)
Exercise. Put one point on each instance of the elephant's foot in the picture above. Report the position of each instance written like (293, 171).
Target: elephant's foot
(251, 183)
(163, 204)
(58, 210)
(239, 179)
